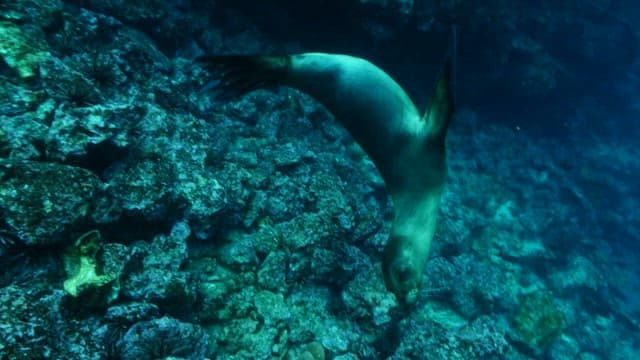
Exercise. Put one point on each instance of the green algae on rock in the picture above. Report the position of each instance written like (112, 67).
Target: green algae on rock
(539, 321)
(94, 269)
(20, 51)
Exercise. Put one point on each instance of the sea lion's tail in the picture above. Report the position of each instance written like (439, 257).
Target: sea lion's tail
(442, 101)
(236, 75)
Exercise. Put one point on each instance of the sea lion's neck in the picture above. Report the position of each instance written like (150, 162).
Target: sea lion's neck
(415, 215)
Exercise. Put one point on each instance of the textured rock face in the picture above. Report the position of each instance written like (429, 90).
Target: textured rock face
(162, 338)
(42, 203)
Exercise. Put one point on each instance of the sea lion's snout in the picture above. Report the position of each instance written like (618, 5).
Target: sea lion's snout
(402, 273)
(403, 280)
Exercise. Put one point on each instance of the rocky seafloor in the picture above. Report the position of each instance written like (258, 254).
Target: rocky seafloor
(143, 219)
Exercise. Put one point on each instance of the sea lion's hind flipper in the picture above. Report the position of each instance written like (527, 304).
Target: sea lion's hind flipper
(442, 99)
(236, 75)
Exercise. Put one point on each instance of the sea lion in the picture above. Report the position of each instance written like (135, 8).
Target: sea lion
(407, 148)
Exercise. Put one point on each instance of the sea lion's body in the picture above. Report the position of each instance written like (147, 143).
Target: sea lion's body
(408, 153)
(407, 148)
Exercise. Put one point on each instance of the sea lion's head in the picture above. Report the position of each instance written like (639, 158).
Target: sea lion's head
(402, 268)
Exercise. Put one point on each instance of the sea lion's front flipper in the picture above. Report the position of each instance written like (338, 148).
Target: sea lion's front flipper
(442, 99)
(236, 75)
